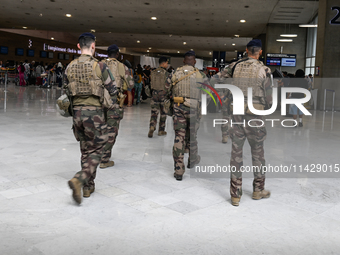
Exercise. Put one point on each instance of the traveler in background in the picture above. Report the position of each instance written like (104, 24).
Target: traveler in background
(129, 91)
(139, 83)
(21, 70)
(59, 73)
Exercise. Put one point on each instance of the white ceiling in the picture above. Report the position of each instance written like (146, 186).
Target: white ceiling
(204, 25)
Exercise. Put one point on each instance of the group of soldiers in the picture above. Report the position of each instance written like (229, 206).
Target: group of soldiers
(95, 93)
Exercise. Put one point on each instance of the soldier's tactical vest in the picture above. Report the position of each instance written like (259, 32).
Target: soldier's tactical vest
(187, 87)
(83, 78)
(117, 70)
(158, 78)
(250, 73)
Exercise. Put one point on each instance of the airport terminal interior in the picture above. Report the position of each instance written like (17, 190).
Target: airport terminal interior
(138, 207)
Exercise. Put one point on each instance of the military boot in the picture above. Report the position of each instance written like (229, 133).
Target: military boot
(108, 164)
(160, 133)
(75, 185)
(191, 165)
(261, 194)
(224, 139)
(235, 201)
(178, 177)
(151, 130)
(87, 191)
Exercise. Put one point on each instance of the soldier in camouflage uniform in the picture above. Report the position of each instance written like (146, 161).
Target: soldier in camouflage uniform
(124, 80)
(184, 86)
(88, 83)
(158, 80)
(249, 72)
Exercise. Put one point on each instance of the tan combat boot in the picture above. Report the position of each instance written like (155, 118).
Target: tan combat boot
(224, 139)
(151, 130)
(87, 191)
(235, 201)
(160, 133)
(75, 185)
(108, 164)
(261, 194)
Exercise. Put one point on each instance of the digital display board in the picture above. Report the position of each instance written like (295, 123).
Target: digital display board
(50, 55)
(67, 56)
(288, 62)
(43, 54)
(19, 51)
(60, 55)
(4, 50)
(30, 53)
(273, 61)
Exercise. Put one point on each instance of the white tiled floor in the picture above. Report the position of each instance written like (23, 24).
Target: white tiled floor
(138, 207)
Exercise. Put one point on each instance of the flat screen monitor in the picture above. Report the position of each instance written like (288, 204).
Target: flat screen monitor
(67, 56)
(50, 55)
(30, 53)
(4, 50)
(43, 54)
(60, 55)
(273, 61)
(19, 51)
(288, 62)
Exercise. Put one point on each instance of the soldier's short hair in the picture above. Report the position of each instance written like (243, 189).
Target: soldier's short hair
(162, 60)
(112, 53)
(253, 50)
(85, 42)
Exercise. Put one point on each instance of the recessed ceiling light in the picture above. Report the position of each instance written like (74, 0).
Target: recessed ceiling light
(138, 41)
(68, 15)
(284, 40)
(150, 48)
(40, 14)
(191, 49)
(153, 18)
(147, 51)
(243, 21)
(308, 25)
(177, 51)
(289, 35)
(235, 50)
(225, 44)
(209, 53)
(237, 35)
(184, 43)
(109, 32)
(52, 38)
(93, 30)
(24, 27)
(233, 44)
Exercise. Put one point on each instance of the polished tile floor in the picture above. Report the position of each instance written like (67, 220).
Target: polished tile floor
(138, 207)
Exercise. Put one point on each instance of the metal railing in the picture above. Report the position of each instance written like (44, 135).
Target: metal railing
(325, 96)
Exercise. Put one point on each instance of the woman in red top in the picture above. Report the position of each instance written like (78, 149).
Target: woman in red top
(21, 69)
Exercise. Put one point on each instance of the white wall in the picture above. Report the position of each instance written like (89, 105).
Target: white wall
(153, 62)
(176, 62)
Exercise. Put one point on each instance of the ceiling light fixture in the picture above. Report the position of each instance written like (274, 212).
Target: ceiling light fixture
(184, 43)
(24, 27)
(233, 44)
(308, 25)
(52, 38)
(147, 51)
(209, 53)
(243, 21)
(149, 48)
(177, 51)
(138, 41)
(235, 50)
(284, 40)
(192, 49)
(68, 15)
(93, 30)
(289, 35)
(237, 35)
(154, 18)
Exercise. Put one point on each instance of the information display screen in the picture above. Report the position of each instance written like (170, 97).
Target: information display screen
(19, 51)
(43, 54)
(273, 61)
(30, 53)
(4, 50)
(288, 62)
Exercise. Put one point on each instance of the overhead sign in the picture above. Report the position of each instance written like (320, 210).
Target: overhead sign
(336, 18)
(58, 49)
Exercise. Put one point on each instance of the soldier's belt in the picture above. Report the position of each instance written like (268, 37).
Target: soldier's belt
(178, 100)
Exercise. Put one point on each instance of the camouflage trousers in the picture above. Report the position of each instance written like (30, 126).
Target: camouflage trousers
(185, 126)
(225, 127)
(255, 136)
(157, 106)
(90, 130)
(113, 118)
